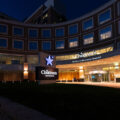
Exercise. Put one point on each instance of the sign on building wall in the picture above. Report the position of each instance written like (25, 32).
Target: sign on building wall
(86, 56)
(47, 60)
(47, 69)
(46, 73)
(83, 55)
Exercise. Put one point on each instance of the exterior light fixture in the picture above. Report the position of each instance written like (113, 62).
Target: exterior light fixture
(25, 72)
(81, 67)
(116, 63)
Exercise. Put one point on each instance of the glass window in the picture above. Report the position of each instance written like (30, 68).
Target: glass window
(73, 29)
(46, 33)
(118, 45)
(3, 29)
(119, 27)
(18, 31)
(33, 33)
(60, 32)
(60, 44)
(118, 8)
(106, 33)
(3, 42)
(103, 17)
(88, 39)
(88, 24)
(15, 62)
(73, 42)
(33, 59)
(46, 45)
(33, 45)
(11, 59)
(18, 44)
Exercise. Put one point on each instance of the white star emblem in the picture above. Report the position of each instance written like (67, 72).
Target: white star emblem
(49, 60)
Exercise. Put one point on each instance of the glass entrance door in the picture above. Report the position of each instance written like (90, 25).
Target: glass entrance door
(99, 77)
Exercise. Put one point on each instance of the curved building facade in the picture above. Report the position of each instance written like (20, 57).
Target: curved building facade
(86, 49)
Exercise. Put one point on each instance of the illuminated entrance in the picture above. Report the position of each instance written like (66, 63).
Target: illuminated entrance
(97, 76)
(103, 70)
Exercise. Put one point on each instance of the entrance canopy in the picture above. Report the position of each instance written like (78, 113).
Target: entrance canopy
(107, 69)
(106, 61)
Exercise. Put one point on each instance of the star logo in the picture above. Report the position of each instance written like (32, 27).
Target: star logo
(49, 60)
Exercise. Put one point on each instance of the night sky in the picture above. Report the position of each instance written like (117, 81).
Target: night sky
(21, 9)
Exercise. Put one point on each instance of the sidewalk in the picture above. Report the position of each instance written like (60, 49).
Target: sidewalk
(102, 84)
(14, 111)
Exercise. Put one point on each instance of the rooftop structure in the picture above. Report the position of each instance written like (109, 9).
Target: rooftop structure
(51, 12)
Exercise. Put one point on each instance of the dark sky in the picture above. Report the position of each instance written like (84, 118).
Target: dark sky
(20, 9)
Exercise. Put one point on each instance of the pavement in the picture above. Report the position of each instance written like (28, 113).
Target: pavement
(103, 84)
(10, 110)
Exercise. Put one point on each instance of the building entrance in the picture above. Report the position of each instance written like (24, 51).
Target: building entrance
(100, 74)
(104, 70)
(99, 77)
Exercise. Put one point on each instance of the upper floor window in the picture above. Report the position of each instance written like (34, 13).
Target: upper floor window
(60, 44)
(45, 16)
(118, 8)
(73, 42)
(119, 27)
(59, 32)
(105, 16)
(18, 44)
(106, 33)
(3, 29)
(3, 43)
(88, 24)
(33, 45)
(46, 33)
(88, 39)
(73, 29)
(46, 45)
(118, 45)
(33, 33)
(18, 31)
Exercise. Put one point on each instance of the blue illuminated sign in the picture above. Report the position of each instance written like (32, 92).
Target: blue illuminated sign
(49, 60)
